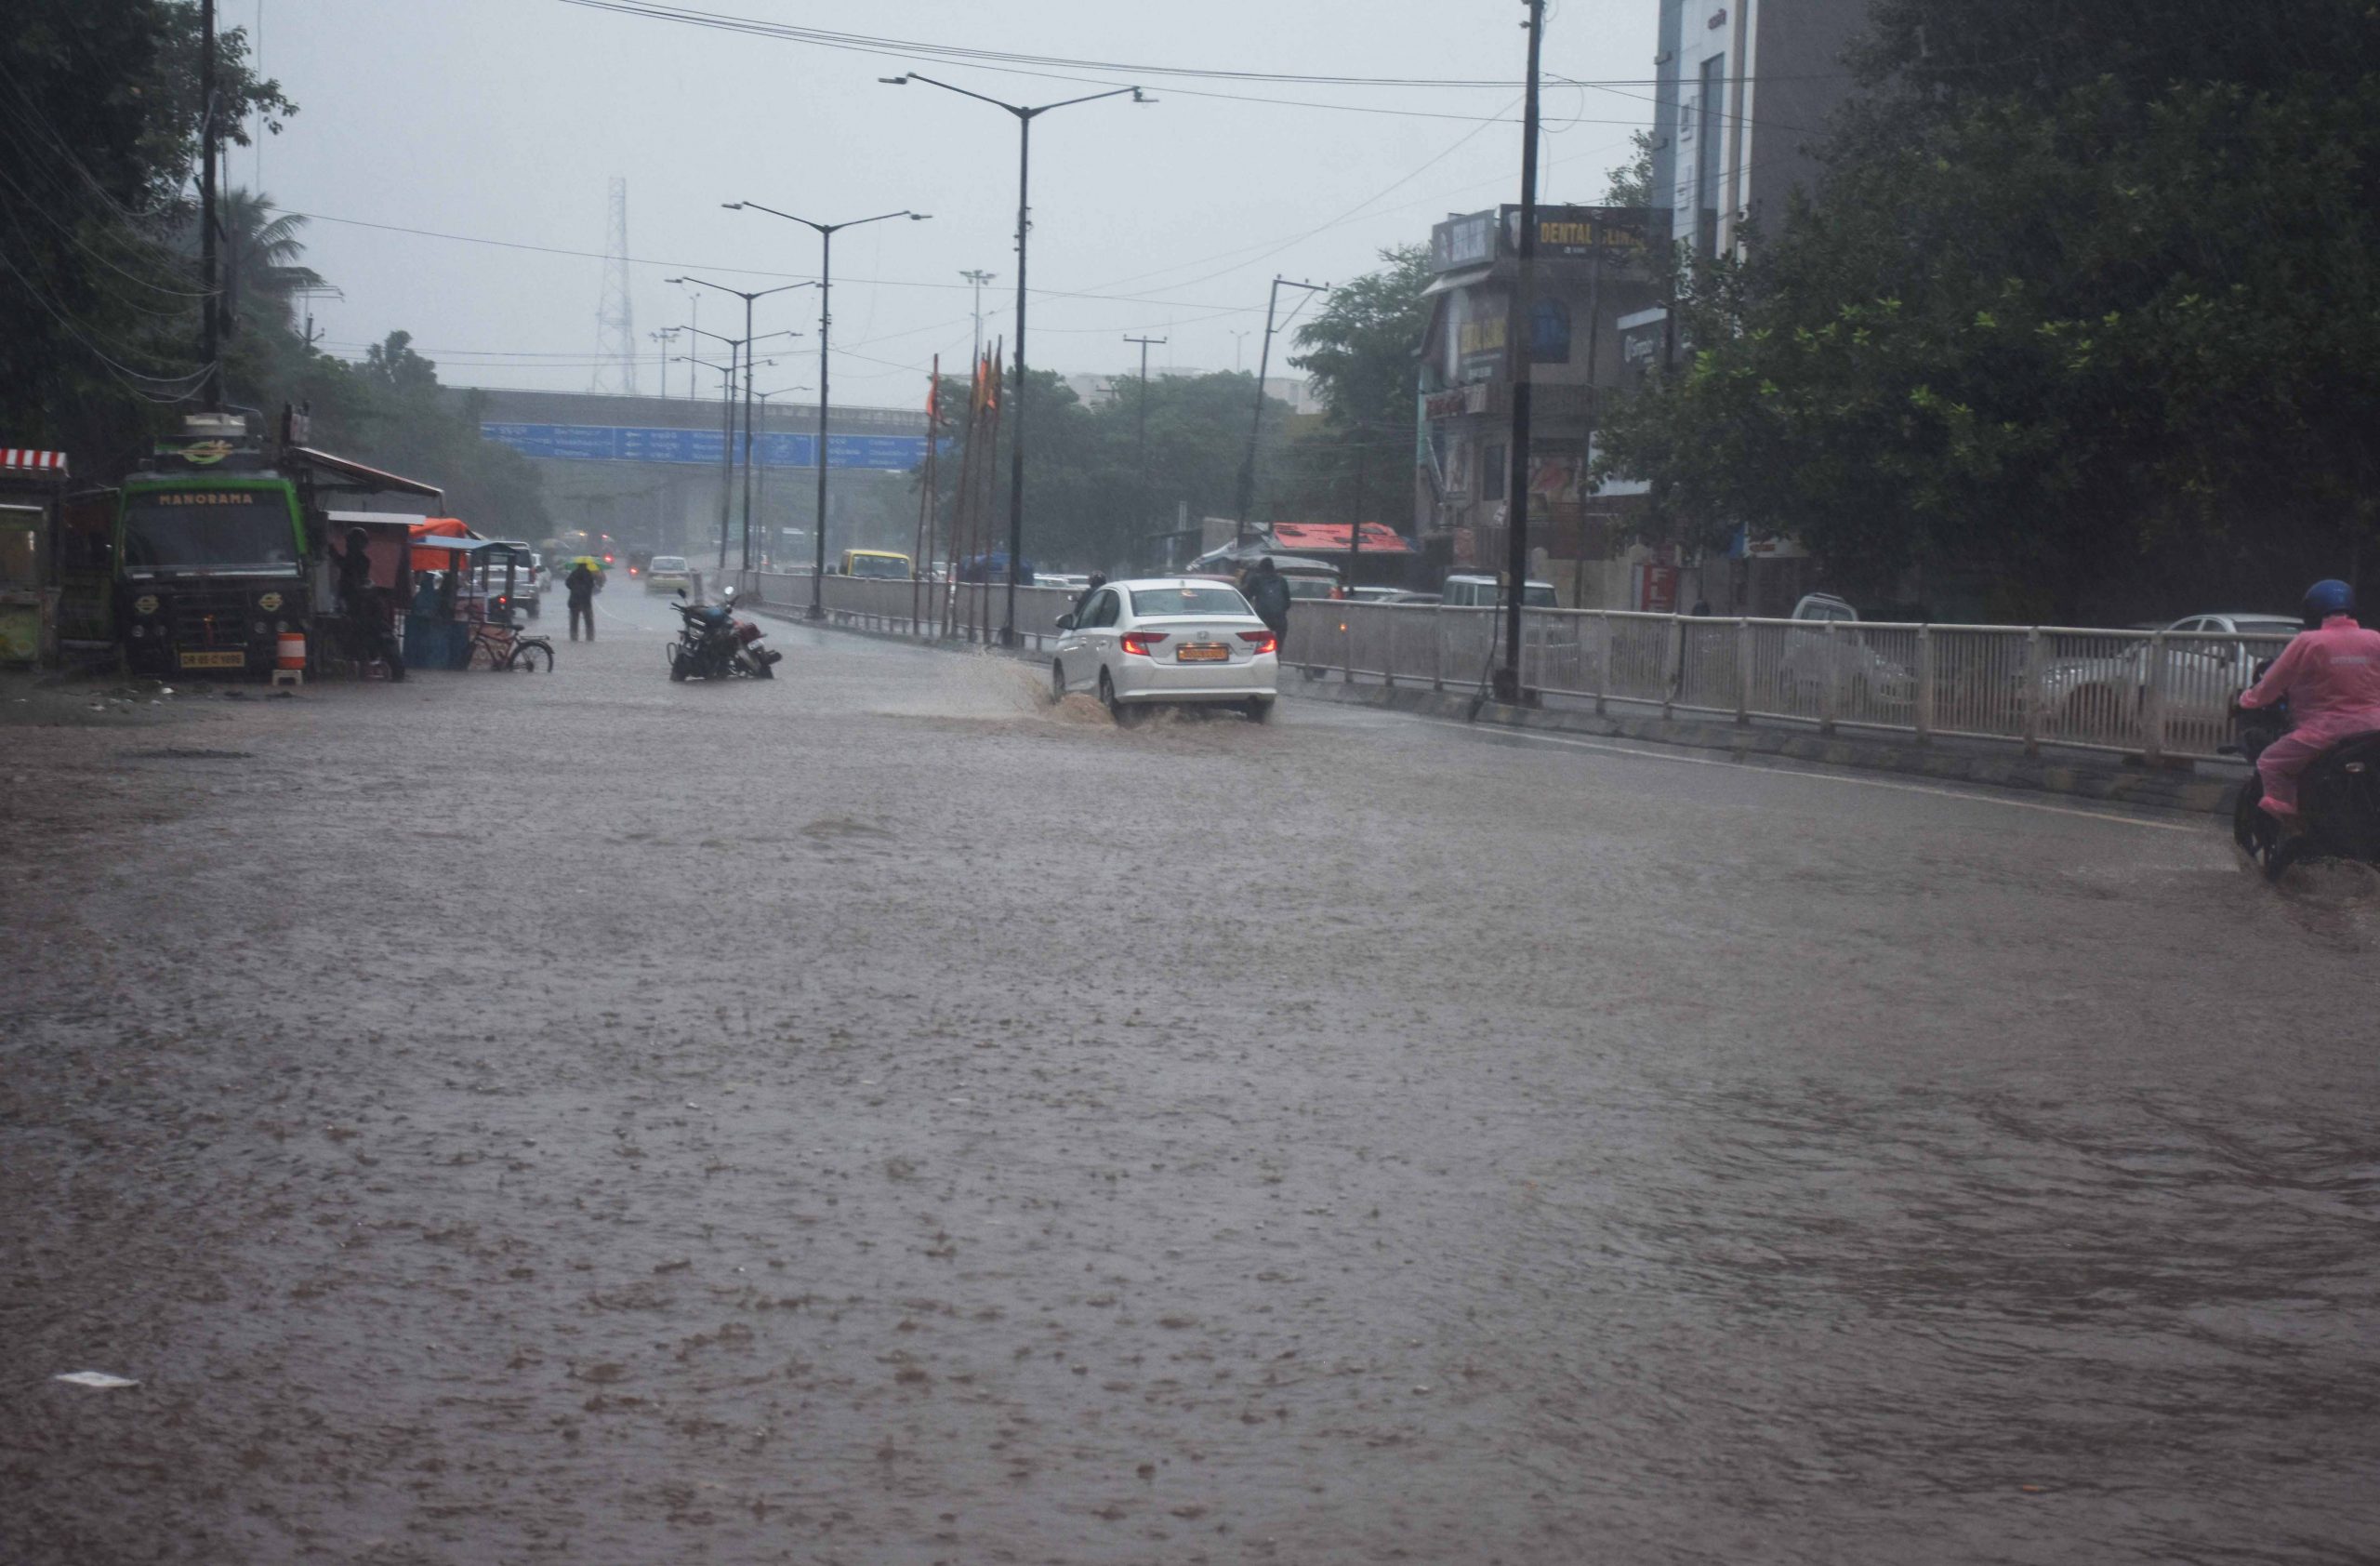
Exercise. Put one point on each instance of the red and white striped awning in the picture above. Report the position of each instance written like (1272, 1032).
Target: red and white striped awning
(23, 459)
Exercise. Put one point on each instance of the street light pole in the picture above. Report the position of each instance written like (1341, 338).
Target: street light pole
(1507, 680)
(979, 279)
(1025, 115)
(762, 490)
(1256, 420)
(747, 296)
(825, 233)
(1143, 458)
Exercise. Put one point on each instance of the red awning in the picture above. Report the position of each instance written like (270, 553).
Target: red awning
(20, 459)
(358, 476)
(1330, 538)
(438, 556)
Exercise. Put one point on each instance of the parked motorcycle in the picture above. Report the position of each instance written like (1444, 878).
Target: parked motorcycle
(713, 644)
(2338, 798)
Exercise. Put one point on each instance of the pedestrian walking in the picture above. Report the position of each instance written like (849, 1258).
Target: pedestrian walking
(1268, 595)
(580, 584)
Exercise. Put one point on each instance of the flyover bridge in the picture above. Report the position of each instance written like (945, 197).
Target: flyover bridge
(653, 472)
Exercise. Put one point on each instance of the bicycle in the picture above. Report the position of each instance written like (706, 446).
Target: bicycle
(497, 645)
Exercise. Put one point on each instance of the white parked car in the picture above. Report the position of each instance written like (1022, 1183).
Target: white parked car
(1168, 640)
(1866, 682)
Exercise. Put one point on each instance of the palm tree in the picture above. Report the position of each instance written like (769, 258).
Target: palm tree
(261, 275)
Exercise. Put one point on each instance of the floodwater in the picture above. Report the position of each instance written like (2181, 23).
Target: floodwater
(877, 1117)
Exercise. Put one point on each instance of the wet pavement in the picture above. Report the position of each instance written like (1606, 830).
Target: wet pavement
(877, 1117)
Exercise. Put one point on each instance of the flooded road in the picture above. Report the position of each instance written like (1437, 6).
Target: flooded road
(880, 1118)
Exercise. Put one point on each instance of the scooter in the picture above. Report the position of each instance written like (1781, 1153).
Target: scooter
(2338, 798)
(713, 644)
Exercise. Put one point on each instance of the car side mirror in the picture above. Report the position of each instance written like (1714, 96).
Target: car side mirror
(1065, 622)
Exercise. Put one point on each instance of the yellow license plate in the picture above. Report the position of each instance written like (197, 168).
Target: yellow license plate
(215, 660)
(1201, 651)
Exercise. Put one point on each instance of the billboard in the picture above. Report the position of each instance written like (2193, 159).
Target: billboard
(1467, 241)
(617, 443)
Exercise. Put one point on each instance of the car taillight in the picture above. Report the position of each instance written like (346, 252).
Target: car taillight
(1137, 642)
(1265, 642)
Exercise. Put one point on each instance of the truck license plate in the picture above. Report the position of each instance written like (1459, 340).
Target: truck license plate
(215, 660)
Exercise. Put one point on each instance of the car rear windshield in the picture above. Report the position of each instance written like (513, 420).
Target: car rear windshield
(668, 563)
(183, 529)
(1218, 600)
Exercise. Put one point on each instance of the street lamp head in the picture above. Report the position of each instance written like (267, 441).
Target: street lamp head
(733, 205)
(920, 217)
(1140, 97)
(673, 279)
(894, 81)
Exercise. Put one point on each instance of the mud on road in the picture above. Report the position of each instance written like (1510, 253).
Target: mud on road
(877, 1117)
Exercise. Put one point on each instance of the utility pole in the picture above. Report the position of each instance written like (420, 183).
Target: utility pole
(979, 279)
(667, 337)
(1239, 346)
(1145, 343)
(1256, 421)
(211, 345)
(1516, 353)
(726, 448)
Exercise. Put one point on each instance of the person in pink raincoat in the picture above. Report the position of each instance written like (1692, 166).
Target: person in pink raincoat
(2330, 674)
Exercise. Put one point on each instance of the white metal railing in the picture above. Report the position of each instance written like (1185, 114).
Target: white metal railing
(963, 611)
(2155, 694)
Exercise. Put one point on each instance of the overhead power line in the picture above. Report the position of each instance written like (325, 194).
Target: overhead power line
(863, 43)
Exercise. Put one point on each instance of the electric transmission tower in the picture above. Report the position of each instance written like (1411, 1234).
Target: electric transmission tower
(615, 317)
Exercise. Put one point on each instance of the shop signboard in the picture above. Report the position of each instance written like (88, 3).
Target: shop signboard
(1574, 233)
(1656, 589)
(1466, 241)
(1481, 335)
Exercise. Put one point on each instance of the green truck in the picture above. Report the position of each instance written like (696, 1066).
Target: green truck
(221, 545)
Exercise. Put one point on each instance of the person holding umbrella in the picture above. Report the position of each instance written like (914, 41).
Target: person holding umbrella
(580, 585)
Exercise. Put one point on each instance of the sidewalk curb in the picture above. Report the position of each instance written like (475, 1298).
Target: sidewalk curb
(2111, 784)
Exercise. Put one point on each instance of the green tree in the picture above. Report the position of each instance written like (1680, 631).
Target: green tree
(2081, 314)
(1362, 352)
(1087, 507)
(98, 140)
(262, 273)
(1630, 183)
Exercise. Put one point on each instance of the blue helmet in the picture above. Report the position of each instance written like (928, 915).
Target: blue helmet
(2329, 596)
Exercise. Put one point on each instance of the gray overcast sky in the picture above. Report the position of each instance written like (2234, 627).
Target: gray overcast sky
(505, 119)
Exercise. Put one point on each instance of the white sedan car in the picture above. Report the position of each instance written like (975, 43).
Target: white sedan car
(1168, 640)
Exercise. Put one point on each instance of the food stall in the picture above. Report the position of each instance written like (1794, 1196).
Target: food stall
(31, 482)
